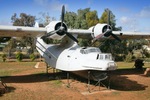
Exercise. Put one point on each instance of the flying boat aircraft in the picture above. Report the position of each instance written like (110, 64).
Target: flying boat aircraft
(68, 55)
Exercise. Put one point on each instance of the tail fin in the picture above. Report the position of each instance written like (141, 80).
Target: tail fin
(36, 24)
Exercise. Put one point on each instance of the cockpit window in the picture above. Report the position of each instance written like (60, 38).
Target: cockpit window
(89, 50)
(82, 51)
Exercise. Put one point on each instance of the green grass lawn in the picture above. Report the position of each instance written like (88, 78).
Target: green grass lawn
(9, 68)
(128, 65)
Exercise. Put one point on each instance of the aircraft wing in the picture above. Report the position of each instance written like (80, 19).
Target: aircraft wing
(121, 34)
(19, 31)
(80, 31)
(132, 35)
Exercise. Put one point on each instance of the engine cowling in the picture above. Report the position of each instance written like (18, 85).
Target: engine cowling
(55, 25)
(100, 29)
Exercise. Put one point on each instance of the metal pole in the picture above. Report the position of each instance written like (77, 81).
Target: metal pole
(68, 80)
(46, 68)
(109, 79)
(89, 81)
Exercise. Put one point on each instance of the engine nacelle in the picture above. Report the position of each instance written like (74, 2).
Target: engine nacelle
(99, 29)
(55, 25)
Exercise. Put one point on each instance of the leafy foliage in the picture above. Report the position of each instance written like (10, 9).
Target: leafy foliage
(10, 46)
(128, 57)
(19, 56)
(84, 18)
(84, 42)
(104, 19)
(45, 19)
(25, 20)
(70, 19)
(32, 57)
(4, 57)
(92, 18)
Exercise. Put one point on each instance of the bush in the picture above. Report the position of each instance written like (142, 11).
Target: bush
(32, 57)
(4, 57)
(19, 56)
(128, 57)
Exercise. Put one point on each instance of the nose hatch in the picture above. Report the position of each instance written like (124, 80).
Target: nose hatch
(112, 66)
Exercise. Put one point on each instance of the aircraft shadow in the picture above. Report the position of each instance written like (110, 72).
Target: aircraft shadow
(118, 79)
(32, 78)
(129, 71)
(120, 82)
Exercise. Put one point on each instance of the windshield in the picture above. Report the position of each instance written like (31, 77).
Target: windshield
(89, 50)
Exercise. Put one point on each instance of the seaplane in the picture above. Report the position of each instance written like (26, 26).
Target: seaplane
(68, 56)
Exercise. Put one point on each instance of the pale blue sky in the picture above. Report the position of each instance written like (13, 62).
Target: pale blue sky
(130, 14)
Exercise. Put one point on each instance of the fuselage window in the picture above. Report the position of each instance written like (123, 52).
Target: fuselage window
(101, 57)
(108, 57)
(83, 51)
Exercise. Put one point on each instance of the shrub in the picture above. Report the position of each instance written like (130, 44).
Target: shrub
(32, 57)
(19, 56)
(128, 57)
(4, 57)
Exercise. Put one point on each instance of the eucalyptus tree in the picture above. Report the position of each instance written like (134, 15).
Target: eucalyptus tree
(25, 20)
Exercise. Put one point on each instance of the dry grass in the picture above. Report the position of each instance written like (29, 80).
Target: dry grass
(9, 68)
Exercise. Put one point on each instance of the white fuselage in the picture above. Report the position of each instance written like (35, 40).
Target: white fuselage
(72, 57)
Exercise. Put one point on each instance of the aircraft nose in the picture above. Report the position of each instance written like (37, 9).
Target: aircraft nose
(112, 66)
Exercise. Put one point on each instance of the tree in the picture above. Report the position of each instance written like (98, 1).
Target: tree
(117, 49)
(113, 46)
(25, 20)
(92, 18)
(45, 19)
(81, 18)
(70, 19)
(104, 19)
(10, 46)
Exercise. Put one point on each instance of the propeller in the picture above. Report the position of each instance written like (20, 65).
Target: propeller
(107, 32)
(61, 29)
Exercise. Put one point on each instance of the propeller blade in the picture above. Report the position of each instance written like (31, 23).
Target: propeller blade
(62, 15)
(116, 37)
(110, 30)
(108, 18)
(71, 36)
(97, 37)
(49, 34)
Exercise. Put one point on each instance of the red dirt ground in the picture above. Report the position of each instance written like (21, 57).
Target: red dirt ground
(35, 85)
